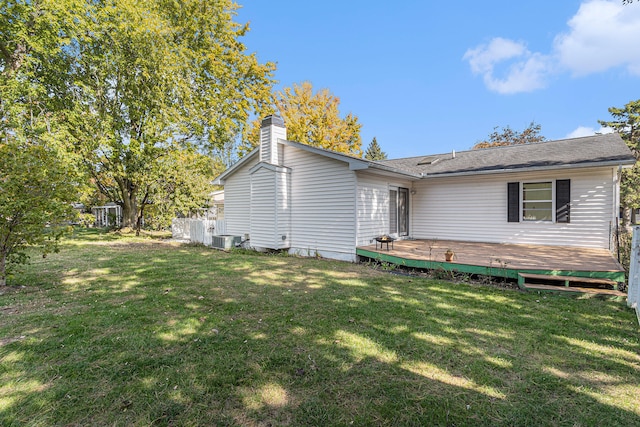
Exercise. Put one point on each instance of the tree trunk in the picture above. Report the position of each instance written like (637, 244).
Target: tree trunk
(129, 218)
(139, 221)
(3, 269)
(141, 214)
(129, 212)
(626, 219)
(129, 204)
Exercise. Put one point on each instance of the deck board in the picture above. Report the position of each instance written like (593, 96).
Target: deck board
(515, 257)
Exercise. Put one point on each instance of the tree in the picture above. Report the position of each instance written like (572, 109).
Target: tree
(129, 85)
(374, 152)
(312, 119)
(507, 136)
(35, 201)
(626, 122)
(183, 185)
(151, 81)
(38, 180)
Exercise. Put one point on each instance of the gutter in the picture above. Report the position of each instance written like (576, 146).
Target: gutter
(615, 163)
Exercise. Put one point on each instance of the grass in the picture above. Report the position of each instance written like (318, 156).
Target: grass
(135, 332)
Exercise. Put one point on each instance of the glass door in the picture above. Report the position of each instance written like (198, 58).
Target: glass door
(399, 211)
(403, 211)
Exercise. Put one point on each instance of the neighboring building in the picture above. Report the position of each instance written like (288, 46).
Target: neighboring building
(216, 211)
(109, 215)
(310, 201)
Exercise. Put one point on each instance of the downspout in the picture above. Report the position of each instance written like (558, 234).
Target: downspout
(356, 219)
(616, 209)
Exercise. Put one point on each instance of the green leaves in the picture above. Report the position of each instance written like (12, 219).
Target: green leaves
(627, 123)
(37, 175)
(35, 197)
(156, 78)
(127, 90)
(374, 151)
(508, 136)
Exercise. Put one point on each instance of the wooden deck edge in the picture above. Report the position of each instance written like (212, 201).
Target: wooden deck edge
(439, 265)
(503, 272)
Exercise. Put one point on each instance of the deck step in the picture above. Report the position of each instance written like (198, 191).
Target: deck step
(576, 289)
(569, 279)
(566, 284)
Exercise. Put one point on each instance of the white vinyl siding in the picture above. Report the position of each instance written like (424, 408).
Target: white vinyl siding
(270, 213)
(475, 209)
(263, 208)
(373, 208)
(323, 205)
(237, 200)
(373, 205)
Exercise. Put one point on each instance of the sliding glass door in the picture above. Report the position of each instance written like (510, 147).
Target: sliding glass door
(399, 211)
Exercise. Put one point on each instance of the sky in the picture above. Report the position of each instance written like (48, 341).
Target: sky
(429, 77)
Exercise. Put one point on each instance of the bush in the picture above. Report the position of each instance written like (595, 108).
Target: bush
(86, 220)
(624, 249)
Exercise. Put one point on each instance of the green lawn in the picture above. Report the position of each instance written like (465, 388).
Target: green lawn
(132, 331)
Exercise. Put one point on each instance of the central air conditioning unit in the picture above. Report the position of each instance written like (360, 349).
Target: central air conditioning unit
(225, 242)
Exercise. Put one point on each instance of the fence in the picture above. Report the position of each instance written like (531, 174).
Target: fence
(633, 290)
(197, 230)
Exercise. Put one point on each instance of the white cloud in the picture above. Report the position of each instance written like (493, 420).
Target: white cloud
(483, 58)
(603, 34)
(526, 72)
(587, 131)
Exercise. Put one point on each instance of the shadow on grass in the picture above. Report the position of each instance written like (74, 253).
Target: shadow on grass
(146, 334)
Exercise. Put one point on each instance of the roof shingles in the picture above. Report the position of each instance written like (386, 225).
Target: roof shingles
(585, 151)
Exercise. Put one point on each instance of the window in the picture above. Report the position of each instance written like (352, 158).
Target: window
(537, 201)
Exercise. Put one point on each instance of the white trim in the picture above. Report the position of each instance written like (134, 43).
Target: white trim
(233, 168)
(553, 201)
(309, 253)
(269, 166)
(397, 188)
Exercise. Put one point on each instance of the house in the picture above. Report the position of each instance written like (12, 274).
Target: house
(216, 210)
(290, 196)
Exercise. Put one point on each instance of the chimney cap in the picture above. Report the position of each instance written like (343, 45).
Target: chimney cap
(272, 120)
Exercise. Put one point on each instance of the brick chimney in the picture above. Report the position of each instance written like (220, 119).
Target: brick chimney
(271, 129)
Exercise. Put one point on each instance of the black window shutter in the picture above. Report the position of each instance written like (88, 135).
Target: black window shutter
(563, 200)
(513, 202)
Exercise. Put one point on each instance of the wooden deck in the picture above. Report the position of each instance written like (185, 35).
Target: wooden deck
(501, 260)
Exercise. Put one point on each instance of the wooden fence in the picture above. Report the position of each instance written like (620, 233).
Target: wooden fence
(197, 230)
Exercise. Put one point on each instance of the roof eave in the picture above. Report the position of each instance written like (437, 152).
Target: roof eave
(613, 163)
(394, 171)
(224, 175)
